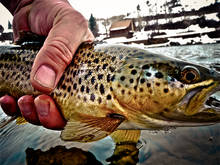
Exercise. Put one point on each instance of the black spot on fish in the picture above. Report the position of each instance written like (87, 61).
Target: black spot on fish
(145, 67)
(89, 62)
(122, 78)
(74, 73)
(113, 78)
(121, 56)
(142, 80)
(112, 69)
(99, 100)
(86, 77)
(109, 97)
(108, 78)
(181, 86)
(157, 84)
(131, 80)
(96, 86)
(93, 80)
(133, 72)
(148, 85)
(97, 68)
(17, 84)
(159, 75)
(3, 74)
(141, 89)
(74, 86)
(102, 89)
(123, 91)
(92, 97)
(88, 54)
(104, 66)
(148, 74)
(135, 87)
(85, 99)
(131, 66)
(111, 89)
(113, 58)
(87, 89)
(100, 76)
(69, 89)
(166, 90)
(64, 86)
(96, 61)
(80, 81)
(82, 88)
(81, 51)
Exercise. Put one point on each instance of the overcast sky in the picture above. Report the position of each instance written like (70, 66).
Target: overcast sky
(107, 8)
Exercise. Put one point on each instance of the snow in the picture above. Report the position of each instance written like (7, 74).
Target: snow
(119, 28)
(212, 16)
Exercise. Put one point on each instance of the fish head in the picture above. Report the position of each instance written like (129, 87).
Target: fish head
(165, 91)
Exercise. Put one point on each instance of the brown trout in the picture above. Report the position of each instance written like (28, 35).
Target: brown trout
(111, 87)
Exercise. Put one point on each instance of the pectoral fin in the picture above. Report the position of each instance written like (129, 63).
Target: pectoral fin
(85, 128)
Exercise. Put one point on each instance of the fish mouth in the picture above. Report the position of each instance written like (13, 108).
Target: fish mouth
(200, 105)
(213, 102)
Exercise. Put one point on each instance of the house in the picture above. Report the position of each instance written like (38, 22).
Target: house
(124, 28)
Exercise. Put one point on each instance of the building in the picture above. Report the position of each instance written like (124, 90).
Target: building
(124, 28)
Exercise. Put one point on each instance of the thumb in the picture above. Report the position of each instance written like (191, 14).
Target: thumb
(57, 52)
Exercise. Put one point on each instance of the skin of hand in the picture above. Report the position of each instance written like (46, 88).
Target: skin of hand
(65, 29)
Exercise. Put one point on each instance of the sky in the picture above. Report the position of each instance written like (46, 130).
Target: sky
(107, 8)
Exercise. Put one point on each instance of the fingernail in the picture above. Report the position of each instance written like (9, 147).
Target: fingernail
(43, 107)
(45, 76)
(26, 107)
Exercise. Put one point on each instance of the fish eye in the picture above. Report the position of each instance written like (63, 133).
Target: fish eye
(190, 74)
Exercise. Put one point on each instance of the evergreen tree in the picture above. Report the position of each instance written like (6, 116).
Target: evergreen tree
(9, 25)
(93, 26)
(1, 29)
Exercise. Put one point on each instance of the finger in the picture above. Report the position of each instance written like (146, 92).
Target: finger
(89, 37)
(9, 105)
(28, 110)
(69, 30)
(48, 114)
(20, 22)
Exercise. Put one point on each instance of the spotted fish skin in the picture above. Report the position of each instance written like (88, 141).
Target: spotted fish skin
(111, 87)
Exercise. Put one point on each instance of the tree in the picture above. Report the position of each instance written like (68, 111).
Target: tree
(9, 25)
(106, 23)
(1, 29)
(93, 26)
(139, 18)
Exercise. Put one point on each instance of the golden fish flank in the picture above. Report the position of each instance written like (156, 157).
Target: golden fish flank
(111, 87)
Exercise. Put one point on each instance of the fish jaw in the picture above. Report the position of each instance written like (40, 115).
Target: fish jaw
(196, 96)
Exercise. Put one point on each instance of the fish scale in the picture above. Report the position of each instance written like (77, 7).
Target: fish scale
(109, 87)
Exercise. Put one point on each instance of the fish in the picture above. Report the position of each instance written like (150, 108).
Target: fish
(118, 87)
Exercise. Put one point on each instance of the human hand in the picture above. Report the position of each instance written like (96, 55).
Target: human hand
(65, 29)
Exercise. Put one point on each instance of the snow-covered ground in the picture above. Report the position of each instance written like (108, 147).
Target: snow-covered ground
(172, 35)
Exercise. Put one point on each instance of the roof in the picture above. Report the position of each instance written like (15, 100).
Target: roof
(120, 25)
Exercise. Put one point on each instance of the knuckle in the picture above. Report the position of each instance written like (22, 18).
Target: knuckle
(58, 52)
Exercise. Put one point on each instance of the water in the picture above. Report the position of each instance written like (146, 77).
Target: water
(182, 146)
